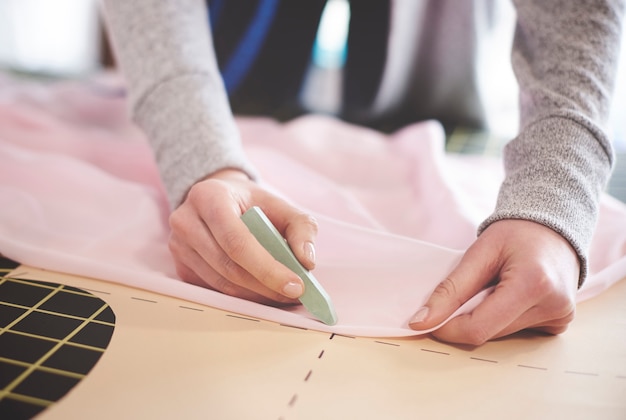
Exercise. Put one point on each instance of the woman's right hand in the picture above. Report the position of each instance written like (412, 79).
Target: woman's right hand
(213, 248)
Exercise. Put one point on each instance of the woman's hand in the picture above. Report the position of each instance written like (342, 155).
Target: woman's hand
(213, 248)
(536, 271)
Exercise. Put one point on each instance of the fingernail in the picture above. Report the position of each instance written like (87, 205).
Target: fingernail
(419, 315)
(293, 289)
(309, 251)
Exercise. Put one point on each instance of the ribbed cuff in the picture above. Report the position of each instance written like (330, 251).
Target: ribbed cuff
(556, 170)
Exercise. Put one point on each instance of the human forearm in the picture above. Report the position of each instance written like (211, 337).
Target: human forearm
(176, 93)
(564, 56)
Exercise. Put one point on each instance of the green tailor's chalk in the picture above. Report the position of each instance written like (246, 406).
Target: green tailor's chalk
(314, 299)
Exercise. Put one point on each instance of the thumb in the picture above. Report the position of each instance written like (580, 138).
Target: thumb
(470, 276)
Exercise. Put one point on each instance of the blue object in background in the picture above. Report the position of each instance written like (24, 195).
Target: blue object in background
(242, 59)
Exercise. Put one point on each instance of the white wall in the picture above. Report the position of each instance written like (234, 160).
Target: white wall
(59, 37)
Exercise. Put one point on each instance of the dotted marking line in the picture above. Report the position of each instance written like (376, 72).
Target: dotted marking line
(436, 351)
(333, 335)
(388, 344)
(484, 360)
(573, 372)
(243, 317)
(143, 300)
(293, 326)
(190, 308)
(532, 367)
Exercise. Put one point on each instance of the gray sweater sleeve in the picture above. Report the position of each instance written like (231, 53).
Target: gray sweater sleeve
(565, 57)
(165, 51)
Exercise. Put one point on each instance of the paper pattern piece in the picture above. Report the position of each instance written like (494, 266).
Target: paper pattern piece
(48, 349)
(79, 193)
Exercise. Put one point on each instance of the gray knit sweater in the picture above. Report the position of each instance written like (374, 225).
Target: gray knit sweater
(564, 57)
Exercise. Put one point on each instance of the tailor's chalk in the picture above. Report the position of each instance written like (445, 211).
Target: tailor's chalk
(314, 299)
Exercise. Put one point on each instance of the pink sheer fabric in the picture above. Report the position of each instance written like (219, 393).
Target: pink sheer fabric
(80, 193)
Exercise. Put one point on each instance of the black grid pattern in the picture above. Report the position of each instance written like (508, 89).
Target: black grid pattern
(51, 335)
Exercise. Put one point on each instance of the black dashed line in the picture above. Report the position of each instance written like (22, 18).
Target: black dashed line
(321, 354)
(308, 375)
(435, 351)
(191, 309)
(483, 360)
(333, 335)
(143, 300)
(389, 344)
(532, 367)
(621, 376)
(293, 399)
(293, 326)
(243, 317)
(573, 372)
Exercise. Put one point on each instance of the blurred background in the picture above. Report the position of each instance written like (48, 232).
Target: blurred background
(63, 39)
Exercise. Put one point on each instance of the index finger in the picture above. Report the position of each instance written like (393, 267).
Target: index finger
(478, 267)
(240, 245)
(508, 302)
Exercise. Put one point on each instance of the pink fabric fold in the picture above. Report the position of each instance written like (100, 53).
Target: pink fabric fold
(79, 193)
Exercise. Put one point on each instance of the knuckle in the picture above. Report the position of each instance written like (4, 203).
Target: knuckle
(177, 221)
(448, 290)
(302, 222)
(564, 314)
(310, 222)
(569, 317)
(221, 284)
(197, 191)
(542, 286)
(229, 268)
(558, 303)
(233, 244)
(565, 305)
(206, 191)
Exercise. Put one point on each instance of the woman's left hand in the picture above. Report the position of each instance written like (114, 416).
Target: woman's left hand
(536, 273)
